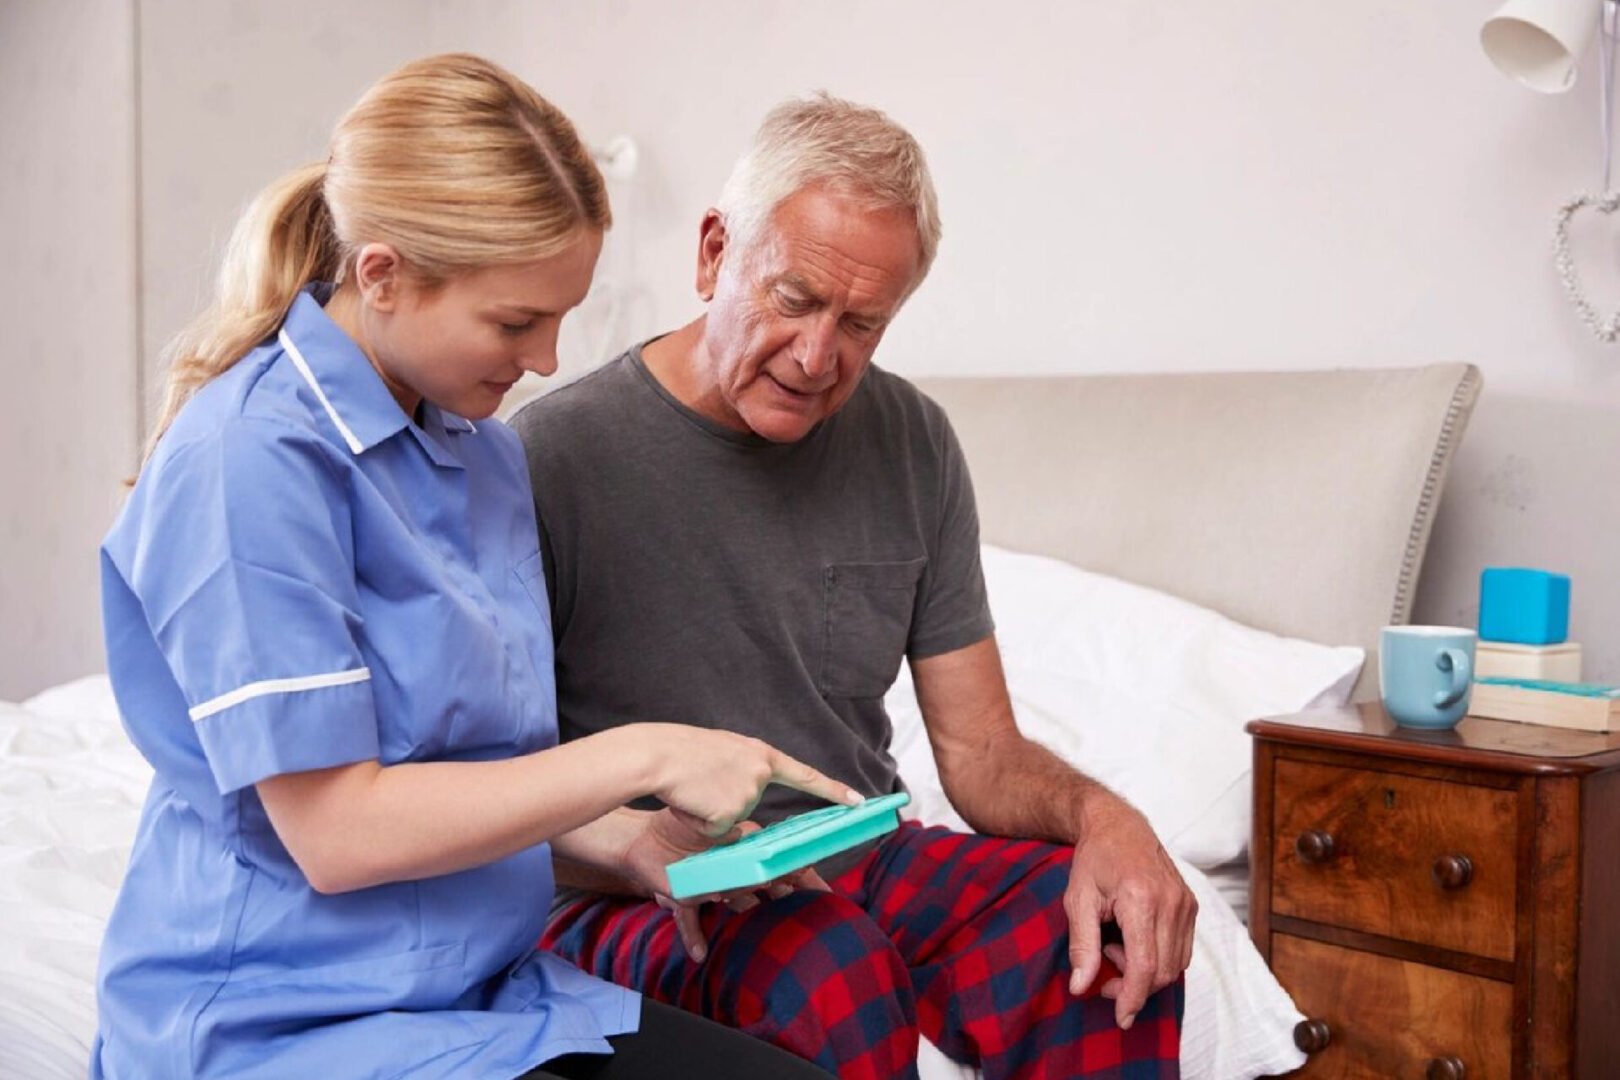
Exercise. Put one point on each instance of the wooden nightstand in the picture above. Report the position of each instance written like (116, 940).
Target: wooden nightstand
(1445, 905)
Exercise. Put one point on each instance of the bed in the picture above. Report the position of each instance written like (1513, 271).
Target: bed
(1168, 556)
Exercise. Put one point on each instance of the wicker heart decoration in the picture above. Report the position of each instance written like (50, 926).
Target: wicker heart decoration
(1606, 329)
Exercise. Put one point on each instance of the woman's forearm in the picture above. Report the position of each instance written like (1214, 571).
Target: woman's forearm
(365, 824)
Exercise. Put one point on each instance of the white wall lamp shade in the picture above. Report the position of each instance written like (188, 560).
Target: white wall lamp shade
(1540, 42)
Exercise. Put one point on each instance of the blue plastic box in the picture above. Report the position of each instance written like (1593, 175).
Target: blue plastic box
(1525, 607)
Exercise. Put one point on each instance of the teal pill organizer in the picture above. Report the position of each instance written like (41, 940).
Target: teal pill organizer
(790, 844)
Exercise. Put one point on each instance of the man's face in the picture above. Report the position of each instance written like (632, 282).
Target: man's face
(796, 316)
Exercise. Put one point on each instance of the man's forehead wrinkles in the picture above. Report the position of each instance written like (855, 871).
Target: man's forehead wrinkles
(833, 274)
(829, 259)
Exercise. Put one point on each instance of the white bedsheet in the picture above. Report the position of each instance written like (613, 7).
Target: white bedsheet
(71, 788)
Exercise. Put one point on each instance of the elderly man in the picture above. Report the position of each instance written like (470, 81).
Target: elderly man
(749, 526)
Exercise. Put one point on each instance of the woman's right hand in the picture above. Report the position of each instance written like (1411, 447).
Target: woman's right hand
(717, 777)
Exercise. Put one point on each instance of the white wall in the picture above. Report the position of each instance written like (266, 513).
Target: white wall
(67, 324)
(233, 95)
(1126, 186)
(1129, 186)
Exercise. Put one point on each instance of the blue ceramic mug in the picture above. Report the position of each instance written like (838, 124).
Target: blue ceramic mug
(1425, 674)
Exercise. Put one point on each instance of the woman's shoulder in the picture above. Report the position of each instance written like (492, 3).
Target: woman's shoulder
(225, 447)
(241, 412)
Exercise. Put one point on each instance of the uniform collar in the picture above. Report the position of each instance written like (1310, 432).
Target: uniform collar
(347, 386)
(431, 432)
(354, 396)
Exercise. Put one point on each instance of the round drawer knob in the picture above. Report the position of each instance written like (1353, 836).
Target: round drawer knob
(1314, 846)
(1446, 1068)
(1312, 1036)
(1453, 872)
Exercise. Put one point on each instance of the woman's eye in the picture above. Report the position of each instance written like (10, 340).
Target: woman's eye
(515, 329)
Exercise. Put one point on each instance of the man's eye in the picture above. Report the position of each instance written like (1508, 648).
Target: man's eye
(795, 305)
(516, 328)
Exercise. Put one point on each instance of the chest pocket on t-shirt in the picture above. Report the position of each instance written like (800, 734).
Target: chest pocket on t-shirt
(868, 621)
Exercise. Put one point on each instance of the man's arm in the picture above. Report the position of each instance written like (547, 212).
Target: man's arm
(1004, 784)
(594, 856)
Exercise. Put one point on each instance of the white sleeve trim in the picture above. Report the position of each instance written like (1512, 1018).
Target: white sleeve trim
(278, 686)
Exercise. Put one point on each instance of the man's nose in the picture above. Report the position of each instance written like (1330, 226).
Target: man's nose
(820, 353)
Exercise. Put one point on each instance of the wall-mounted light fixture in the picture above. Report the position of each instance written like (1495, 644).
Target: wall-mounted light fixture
(1540, 42)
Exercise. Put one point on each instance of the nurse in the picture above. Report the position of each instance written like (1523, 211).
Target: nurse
(327, 631)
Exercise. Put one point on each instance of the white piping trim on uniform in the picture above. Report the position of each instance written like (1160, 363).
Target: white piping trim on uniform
(309, 377)
(278, 686)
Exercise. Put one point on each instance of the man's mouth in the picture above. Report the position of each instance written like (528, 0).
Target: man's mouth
(794, 391)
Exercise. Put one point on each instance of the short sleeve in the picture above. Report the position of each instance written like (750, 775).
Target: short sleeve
(241, 559)
(953, 608)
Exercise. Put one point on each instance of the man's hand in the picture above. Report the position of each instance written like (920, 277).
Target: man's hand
(672, 835)
(1122, 874)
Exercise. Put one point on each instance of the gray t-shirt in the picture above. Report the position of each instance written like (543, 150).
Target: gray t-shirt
(704, 576)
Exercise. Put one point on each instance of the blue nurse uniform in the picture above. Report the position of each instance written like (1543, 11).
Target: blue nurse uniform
(302, 578)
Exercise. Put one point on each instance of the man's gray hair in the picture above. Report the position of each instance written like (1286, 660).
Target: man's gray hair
(851, 149)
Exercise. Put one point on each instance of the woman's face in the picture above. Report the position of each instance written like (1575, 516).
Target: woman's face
(462, 344)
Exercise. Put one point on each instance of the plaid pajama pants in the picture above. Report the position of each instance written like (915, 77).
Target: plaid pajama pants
(960, 937)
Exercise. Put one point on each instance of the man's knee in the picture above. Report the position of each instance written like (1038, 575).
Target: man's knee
(809, 929)
(814, 955)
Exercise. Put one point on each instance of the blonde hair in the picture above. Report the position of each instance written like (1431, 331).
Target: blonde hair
(851, 149)
(452, 160)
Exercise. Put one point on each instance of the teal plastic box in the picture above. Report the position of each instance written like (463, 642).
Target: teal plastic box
(1525, 607)
(790, 844)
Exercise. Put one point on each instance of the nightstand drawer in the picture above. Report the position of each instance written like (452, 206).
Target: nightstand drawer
(1388, 1018)
(1426, 861)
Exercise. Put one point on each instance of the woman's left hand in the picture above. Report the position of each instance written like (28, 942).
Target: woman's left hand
(669, 836)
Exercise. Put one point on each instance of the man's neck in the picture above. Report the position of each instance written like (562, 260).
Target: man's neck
(680, 362)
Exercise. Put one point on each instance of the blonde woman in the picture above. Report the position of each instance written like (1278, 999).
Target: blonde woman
(327, 630)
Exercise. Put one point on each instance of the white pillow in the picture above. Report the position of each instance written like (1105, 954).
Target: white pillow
(1140, 690)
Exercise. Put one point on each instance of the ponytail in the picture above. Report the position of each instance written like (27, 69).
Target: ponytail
(283, 241)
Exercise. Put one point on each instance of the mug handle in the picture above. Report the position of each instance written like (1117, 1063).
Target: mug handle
(1462, 673)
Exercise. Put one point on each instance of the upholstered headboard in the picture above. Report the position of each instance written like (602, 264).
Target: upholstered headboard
(1298, 502)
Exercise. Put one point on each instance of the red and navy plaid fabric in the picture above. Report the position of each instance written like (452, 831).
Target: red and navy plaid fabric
(961, 937)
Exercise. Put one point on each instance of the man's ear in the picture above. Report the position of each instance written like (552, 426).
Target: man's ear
(379, 274)
(712, 241)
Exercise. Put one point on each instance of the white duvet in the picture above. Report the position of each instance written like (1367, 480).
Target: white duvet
(71, 788)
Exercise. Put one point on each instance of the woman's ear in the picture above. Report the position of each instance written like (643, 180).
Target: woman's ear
(378, 274)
